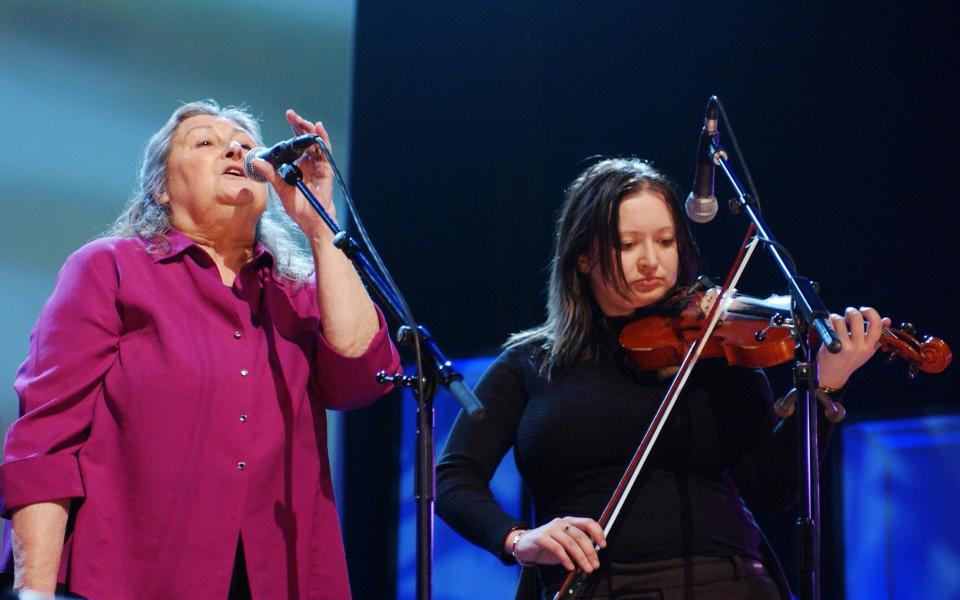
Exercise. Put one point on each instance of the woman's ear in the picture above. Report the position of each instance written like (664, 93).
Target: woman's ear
(583, 264)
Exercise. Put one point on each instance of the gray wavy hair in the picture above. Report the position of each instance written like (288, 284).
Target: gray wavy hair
(150, 220)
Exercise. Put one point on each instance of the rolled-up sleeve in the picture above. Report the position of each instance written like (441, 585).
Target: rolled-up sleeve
(72, 346)
(345, 382)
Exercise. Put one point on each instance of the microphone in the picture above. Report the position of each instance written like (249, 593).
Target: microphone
(701, 204)
(286, 151)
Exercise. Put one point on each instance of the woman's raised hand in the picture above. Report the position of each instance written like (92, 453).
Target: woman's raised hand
(317, 175)
(858, 342)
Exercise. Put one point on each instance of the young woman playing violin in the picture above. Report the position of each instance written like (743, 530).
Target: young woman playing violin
(564, 397)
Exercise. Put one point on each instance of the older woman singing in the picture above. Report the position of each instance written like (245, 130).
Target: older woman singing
(172, 438)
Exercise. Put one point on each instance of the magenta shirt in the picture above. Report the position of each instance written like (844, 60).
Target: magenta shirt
(179, 413)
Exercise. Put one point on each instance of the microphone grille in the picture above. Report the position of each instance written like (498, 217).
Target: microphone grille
(248, 169)
(701, 210)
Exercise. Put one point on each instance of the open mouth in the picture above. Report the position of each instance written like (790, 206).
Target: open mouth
(235, 171)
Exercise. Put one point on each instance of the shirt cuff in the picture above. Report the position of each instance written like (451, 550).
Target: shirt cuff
(350, 381)
(39, 479)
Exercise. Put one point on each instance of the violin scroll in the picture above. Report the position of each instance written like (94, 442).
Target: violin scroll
(930, 355)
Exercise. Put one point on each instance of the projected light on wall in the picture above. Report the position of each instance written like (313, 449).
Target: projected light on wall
(460, 570)
(85, 84)
(901, 483)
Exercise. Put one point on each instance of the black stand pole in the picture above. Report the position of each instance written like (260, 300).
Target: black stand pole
(424, 384)
(808, 463)
(808, 312)
(425, 487)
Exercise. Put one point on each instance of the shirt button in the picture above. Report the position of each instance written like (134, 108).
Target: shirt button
(244, 372)
(237, 334)
(243, 418)
(241, 465)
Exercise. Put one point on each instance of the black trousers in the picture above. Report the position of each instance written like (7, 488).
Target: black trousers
(690, 578)
(239, 582)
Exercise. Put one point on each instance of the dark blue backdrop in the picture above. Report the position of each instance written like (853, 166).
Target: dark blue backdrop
(470, 118)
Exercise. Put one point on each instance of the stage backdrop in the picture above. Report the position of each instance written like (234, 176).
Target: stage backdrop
(469, 120)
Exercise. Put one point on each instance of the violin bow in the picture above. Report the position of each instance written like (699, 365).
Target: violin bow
(575, 579)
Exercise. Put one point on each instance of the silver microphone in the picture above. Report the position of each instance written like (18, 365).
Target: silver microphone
(286, 151)
(701, 204)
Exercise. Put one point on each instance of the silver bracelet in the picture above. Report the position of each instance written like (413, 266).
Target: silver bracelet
(829, 390)
(516, 540)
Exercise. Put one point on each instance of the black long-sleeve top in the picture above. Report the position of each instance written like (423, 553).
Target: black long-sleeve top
(574, 434)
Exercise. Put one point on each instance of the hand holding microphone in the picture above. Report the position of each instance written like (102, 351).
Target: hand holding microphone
(316, 170)
(286, 151)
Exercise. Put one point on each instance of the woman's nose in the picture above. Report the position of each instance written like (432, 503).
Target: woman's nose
(647, 257)
(234, 149)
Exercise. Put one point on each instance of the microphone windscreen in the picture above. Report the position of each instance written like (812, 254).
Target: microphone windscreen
(701, 210)
(250, 171)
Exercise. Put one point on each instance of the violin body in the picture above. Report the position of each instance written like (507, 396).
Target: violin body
(752, 333)
(659, 341)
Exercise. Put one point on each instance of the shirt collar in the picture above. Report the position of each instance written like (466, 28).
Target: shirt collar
(175, 242)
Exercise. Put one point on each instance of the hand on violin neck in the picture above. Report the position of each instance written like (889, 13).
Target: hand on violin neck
(858, 342)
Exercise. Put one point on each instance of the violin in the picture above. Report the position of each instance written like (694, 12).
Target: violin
(754, 333)
(750, 332)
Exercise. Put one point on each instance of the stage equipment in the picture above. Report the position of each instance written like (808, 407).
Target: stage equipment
(433, 367)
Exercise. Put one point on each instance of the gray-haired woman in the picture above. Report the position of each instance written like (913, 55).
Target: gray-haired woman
(172, 433)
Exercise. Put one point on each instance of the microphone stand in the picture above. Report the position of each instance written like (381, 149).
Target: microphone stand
(439, 370)
(809, 313)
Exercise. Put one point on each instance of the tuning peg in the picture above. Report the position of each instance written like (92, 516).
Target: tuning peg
(912, 369)
(908, 328)
(784, 407)
(890, 358)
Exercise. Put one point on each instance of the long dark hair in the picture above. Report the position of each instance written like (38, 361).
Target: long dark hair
(590, 221)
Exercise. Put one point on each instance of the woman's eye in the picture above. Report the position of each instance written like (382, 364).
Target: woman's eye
(203, 142)
(246, 146)
(667, 242)
(627, 245)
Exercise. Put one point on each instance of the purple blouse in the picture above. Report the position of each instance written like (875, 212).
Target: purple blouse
(178, 413)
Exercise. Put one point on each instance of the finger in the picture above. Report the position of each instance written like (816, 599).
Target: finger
(267, 170)
(875, 324)
(315, 154)
(839, 325)
(298, 124)
(560, 553)
(591, 528)
(557, 551)
(854, 319)
(573, 549)
(322, 132)
(585, 543)
(294, 118)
